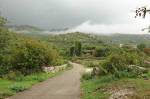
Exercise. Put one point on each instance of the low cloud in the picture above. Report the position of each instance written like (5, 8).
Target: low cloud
(49, 14)
(131, 28)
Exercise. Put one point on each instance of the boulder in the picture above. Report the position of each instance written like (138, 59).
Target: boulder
(137, 69)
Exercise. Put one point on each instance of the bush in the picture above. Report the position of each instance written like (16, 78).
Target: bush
(39, 79)
(27, 56)
(124, 74)
(114, 64)
(14, 76)
(107, 78)
(4, 95)
(23, 54)
(18, 87)
(118, 63)
(101, 52)
(134, 58)
(11, 75)
(91, 64)
(141, 46)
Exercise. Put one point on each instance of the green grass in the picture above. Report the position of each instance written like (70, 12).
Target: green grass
(21, 83)
(90, 87)
(24, 83)
(4, 90)
(10, 87)
(89, 62)
(97, 88)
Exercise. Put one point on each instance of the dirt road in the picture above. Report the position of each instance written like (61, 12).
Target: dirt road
(65, 86)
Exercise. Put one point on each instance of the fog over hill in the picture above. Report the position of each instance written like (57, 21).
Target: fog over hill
(87, 28)
(92, 16)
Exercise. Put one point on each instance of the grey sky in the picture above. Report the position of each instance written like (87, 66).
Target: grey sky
(68, 13)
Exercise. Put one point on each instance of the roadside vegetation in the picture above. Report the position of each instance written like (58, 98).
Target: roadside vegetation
(9, 87)
(22, 60)
(115, 66)
(118, 73)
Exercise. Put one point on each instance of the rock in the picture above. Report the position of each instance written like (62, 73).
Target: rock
(48, 69)
(137, 69)
(89, 70)
(54, 68)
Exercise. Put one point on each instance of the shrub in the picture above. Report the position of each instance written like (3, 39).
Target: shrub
(23, 54)
(101, 52)
(141, 46)
(27, 56)
(119, 64)
(4, 95)
(125, 73)
(134, 58)
(18, 87)
(37, 78)
(11, 75)
(107, 78)
(31, 56)
(114, 64)
(91, 64)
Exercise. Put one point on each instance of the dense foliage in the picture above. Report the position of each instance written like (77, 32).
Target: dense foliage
(20, 54)
(76, 50)
(141, 46)
(101, 52)
(125, 61)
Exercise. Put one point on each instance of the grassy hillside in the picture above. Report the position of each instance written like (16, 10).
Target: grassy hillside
(82, 37)
(111, 65)
(96, 39)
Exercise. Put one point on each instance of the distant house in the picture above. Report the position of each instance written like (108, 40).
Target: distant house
(121, 45)
(128, 46)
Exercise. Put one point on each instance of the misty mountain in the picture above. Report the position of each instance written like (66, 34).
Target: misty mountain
(53, 35)
(95, 39)
(58, 29)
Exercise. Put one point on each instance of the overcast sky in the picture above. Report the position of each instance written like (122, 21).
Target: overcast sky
(99, 16)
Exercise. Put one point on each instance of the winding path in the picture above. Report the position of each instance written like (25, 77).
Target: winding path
(65, 86)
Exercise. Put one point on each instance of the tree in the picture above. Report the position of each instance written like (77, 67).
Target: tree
(101, 52)
(2, 21)
(31, 55)
(71, 51)
(23, 54)
(4, 35)
(78, 48)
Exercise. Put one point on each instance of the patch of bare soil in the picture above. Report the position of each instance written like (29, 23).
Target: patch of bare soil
(121, 94)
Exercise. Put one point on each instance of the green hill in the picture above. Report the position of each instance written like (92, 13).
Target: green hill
(66, 39)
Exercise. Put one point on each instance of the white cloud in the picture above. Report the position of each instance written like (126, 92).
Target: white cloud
(130, 28)
(105, 15)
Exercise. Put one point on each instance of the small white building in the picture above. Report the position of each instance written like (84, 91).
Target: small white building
(128, 45)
